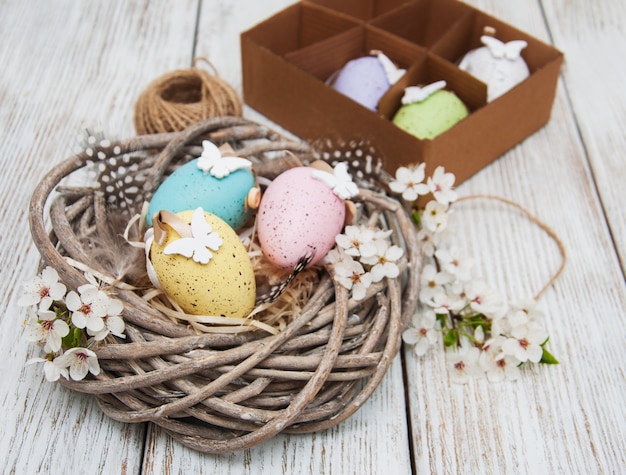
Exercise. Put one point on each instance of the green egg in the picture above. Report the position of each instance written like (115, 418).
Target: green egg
(431, 117)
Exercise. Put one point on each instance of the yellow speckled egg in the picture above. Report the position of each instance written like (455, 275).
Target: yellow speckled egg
(224, 286)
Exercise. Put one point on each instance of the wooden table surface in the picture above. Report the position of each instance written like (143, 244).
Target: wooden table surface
(67, 65)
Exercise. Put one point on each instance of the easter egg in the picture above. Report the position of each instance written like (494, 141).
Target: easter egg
(497, 64)
(366, 79)
(363, 80)
(209, 273)
(431, 117)
(190, 187)
(298, 214)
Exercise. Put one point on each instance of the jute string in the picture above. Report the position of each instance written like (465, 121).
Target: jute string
(547, 229)
(183, 97)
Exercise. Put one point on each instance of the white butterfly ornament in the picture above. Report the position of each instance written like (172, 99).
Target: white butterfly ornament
(392, 72)
(211, 161)
(414, 94)
(340, 181)
(202, 239)
(511, 50)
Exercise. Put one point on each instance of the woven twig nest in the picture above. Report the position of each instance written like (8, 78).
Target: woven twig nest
(222, 392)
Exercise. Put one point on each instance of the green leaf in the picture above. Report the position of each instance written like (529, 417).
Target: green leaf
(72, 340)
(478, 320)
(441, 318)
(451, 338)
(416, 216)
(548, 358)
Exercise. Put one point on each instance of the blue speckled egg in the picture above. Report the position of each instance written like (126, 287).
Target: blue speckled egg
(189, 187)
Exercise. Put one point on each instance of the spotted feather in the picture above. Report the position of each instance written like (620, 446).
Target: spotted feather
(365, 162)
(119, 176)
(277, 290)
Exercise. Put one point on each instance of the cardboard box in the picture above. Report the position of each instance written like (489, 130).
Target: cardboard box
(288, 58)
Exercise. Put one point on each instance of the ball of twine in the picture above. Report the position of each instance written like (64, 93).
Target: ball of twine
(183, 97)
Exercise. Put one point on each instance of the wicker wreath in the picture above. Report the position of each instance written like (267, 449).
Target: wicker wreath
(223, 392)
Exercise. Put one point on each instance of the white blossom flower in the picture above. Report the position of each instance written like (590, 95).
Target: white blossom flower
(336, 255)
(455, 262)
(432, 282)
(45, 327)
(352, 276)
(359, 288)
(115, 308)
(479, 334)
(501, 325)
(422, 333)
(112, 325)
(42, 289)
(408, 182)
(464, 364)
(440, 185)
(32, 327)
(483, 299)
(435, 217)
(525, 311)
(445, 302)
(525, 343)
(384, 261)
(80, 361)
(52, 370)
(497, 365)
(92, 281)
(113, 322)
(357, 241)
(427, 239)
(88, 309)
(93, 290)
(381, 234)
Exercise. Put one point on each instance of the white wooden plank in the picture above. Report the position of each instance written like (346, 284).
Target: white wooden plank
(66, 66)
(219, 26)
(591, 34)
(563, 419)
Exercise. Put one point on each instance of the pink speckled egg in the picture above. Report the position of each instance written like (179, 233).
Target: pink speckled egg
(298, 213)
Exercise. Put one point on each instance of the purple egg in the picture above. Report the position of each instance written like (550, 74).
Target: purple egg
(363, 80)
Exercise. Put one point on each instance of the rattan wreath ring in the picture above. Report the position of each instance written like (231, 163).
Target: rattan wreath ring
(221, 393)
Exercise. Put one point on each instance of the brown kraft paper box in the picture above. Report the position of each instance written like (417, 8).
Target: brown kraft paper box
(288, 58)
